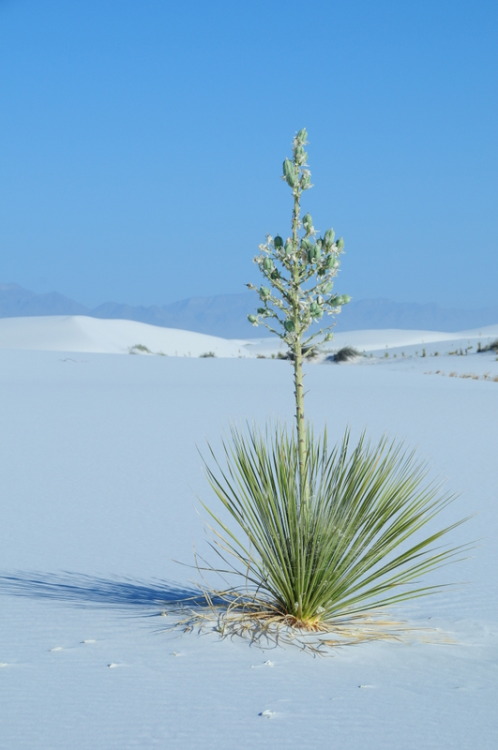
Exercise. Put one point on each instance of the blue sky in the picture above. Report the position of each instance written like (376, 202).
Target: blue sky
(142, 144)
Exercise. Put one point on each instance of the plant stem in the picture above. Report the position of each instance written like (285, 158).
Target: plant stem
(300, 420)
(297, 351)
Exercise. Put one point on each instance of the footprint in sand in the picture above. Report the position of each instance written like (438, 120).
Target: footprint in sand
(265, 664)
(63, 648)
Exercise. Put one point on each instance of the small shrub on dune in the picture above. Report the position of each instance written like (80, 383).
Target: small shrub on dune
(346, 354)
(316, 533)
(309, 353)
(139, 349)
(491, 347)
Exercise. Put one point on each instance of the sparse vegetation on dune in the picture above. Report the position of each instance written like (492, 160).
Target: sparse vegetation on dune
(346, 354)
(491, 347)
(139, 349)
(467, 375)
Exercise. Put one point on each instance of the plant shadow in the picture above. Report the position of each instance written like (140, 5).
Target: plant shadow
(84, 590)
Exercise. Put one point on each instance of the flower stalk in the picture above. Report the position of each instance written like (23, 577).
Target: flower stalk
(300, 272)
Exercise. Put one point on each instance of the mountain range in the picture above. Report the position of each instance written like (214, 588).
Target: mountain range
(226, 315)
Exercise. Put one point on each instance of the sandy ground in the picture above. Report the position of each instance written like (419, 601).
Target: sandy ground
(101, 491)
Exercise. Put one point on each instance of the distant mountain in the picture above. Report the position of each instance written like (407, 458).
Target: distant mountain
(226, 315)
(16, 302)
(382, 313)
(222, 315)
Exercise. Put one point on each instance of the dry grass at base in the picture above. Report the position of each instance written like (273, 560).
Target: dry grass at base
(265, 627)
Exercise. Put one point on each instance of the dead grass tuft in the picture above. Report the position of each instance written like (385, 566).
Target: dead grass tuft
(262, 625)
(465, 375)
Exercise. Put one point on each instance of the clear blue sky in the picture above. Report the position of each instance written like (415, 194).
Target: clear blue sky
(142, 142)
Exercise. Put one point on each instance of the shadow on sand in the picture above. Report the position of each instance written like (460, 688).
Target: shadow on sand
(81, 590)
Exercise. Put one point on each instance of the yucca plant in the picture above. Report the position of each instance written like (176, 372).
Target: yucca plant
(348, 549)
(317, 534)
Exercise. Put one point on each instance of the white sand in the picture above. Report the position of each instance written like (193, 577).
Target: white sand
(101, 483)
(79, 333)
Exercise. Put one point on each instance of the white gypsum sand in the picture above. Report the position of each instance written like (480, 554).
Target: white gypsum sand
(100, 498)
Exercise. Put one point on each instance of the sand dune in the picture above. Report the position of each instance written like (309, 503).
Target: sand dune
(78, 333)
